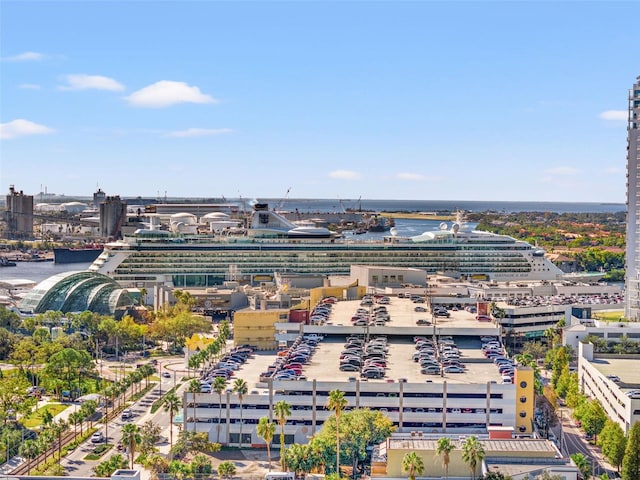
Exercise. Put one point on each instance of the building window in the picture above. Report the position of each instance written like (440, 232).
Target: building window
(522, 428)
(523, 414)
(235, 437)
(523, 399)
(523, 384)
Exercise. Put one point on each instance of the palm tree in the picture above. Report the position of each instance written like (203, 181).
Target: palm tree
(76, 418)
(47, 418)
(267, 430)
(583, 464)
(131, 438)
(282, 410)
(337, 403)
(472, 454)
(240, 388)
(171, 404)
(30, 450)
(219, 384)
(412, 464)
(445, 447)
(194, 387)
(59, 428)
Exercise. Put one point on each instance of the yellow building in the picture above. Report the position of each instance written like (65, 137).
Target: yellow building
(534, 451)
(525, 400)
(341, 292)
(257, 327)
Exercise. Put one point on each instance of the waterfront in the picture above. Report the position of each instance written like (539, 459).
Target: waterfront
(338, 205)
(38, 271)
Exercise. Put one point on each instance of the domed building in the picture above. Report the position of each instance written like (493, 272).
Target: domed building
(77, 292)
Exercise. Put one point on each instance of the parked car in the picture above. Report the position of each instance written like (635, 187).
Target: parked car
(453, 369)
(420, 309)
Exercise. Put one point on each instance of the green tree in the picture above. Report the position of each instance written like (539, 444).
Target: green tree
(131, 438)
(219, 384)
(337, 403)
(282, 411)
(413, 464)
(631, 460)
(583, 463)
(179, 470)
(29, 450)
(444, 448)
(299, 459)
(226, 469)
(13, 395)
(115, 462)
(201, 466)
(472, 454)
(594, 418)
(172, 405)
(613, 443)
(547, 476)
(149, 435)
(266, 430)
(240, 388)
(69, 366)
(359, 429)
(499, 476)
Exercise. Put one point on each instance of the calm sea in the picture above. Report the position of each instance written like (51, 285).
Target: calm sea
(38, 271)
(337, 205)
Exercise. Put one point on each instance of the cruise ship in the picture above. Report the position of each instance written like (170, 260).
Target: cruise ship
(269, 243)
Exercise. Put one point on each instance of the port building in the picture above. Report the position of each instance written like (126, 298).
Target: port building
(19, 214)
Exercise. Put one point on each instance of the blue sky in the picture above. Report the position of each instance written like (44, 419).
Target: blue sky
(387, 100)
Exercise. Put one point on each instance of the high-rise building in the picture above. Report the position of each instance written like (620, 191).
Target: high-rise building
(633, 205)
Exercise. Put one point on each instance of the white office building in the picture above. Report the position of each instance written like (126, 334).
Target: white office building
(632, 311)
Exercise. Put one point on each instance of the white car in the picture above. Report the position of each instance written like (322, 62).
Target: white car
(127, 413)
(97, 437)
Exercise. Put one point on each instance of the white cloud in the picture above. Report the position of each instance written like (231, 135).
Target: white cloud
(344, 175)
(614, 115)
(29, 86)
(21, 128)
(91, 82)
(561, 171)
(24, 57)
(199, 132)
(410, 176)
(166, 93)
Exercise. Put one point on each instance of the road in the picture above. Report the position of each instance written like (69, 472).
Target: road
(75, 463)
(572, 441)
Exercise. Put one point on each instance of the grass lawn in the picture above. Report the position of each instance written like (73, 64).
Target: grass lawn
(35, 419)
(609, 315)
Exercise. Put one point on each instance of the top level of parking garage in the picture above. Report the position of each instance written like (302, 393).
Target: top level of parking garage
(403, 321)
(399, 332)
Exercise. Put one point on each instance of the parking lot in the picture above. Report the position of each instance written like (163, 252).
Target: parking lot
(324, 364)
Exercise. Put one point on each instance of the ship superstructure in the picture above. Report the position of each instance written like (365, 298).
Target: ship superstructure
(270, 243)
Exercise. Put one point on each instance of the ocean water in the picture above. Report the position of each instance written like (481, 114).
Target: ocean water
(38, 271)
(337, 205)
